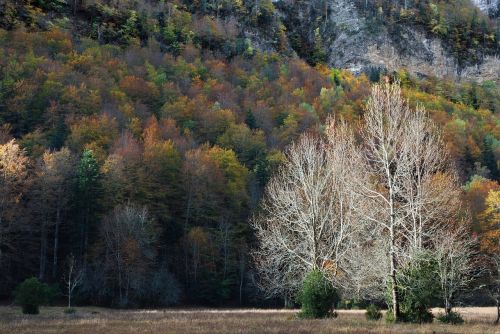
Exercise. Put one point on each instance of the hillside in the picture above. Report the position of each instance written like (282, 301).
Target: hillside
(443, 38)
(182, 109)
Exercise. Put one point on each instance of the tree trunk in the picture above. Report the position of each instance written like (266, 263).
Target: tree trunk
(56, 244)
(69, 296)
(447, 306)
(43, 250)
(395, 299)
(120, 286)
(69, 284)
(498, 312)
(186, 224)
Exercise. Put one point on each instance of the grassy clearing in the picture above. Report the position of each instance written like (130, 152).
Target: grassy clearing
(106, 321)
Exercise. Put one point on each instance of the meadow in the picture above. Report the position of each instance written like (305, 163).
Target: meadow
(109, 321)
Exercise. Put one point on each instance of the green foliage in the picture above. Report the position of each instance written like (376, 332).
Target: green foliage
(30, 294)
(266, 12)
(373, 313)
(418, 289)
(88, 192)
(389, 317)
(318, 296)
(453, 318)
(417, 315)
(88, 178)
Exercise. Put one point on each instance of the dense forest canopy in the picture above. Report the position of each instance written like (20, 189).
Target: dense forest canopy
(138, 136)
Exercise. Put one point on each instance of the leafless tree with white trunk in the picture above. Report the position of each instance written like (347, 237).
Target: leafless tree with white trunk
(365, 269)
(72, 278)
(457, 260)
(360, 211)
(306, 221)
(359, 255)
(412, 189)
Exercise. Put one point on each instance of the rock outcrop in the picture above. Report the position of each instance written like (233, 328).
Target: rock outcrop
(354, 42)
(491, 7)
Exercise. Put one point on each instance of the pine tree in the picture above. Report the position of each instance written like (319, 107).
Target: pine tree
(488, 158)
(88, 191)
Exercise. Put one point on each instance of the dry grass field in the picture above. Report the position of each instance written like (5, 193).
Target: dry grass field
(106, 321)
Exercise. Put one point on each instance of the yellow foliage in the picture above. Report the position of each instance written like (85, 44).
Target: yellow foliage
(490, 239)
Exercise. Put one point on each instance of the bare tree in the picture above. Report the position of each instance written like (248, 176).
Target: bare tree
(305, 221)
(457, 261)
(364, 271)
(360, 212)
(429, 186)
(412, 188)
(129, 237)
(72, 278)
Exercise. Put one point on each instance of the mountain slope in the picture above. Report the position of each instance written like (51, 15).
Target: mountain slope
(184, 108)
(421, 37)
(442, 38)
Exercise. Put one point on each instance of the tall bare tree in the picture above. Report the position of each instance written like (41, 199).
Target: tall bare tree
(412, 188)
(305, 223)
(335, 203)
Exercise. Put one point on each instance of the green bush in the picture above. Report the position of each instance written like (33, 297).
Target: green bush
(414, 315)
(418, 290)
(389, 316)
(373, 313)
(417, 315)
(30, 294)
(318, 296)
(453, 318)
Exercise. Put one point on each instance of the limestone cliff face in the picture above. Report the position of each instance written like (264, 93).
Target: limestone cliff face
(353, 42)
(491, 7)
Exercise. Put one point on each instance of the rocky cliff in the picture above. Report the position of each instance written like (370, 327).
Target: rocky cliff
(353, 40)
(491, 7)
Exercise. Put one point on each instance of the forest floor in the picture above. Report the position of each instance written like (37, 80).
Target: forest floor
(204, 321)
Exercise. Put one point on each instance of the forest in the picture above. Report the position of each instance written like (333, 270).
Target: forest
(137, 139)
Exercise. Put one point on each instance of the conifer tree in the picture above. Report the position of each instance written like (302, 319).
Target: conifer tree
(88, 191)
